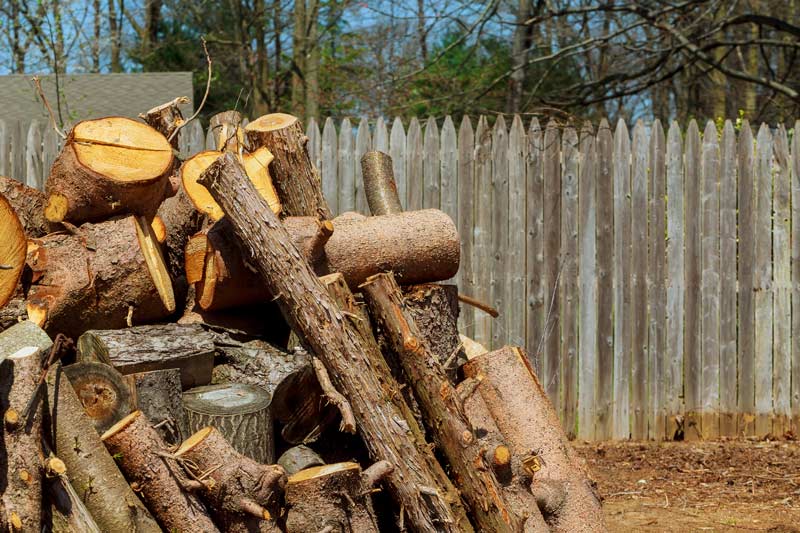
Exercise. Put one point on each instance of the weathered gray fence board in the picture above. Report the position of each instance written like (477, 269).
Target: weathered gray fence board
(569, 278)
(347, 168)
(482, 246)
(552, 274)
(196, 138)
(363, 145)
(329, 167)
(448, 169)
(466, 220)
(5, 166)
(535, 308)
(782, 288)
(51, 145)
(414, 166)
(397, 149)
(795, 168)
(587, 272)
(314, 143)
(638, 289)
(515, 265)
(499, 245)
(430, 166)
(727, 273)
(33, 159)
(380, 141)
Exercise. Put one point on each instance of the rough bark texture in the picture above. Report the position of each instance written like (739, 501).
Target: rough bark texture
(166, 118)
(97, 278)
(102, 391)
(299, 458)
(316, 317)
(434, 309)
(12, 313)
(189, 348)
(21, 460)
(245, 496)
(68, 514)
(144, 459)
(93, 473)
(77, 193)
(379, 185)
(330, 496)
(442, 409)
(157, 394)
(296, 179)
(181, 220)
(29, 204)
(531, 429)
(240, 412)
(226, 128)
(23, 334)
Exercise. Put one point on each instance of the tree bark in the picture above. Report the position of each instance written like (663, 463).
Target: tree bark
(157, 394)
(68, 514)
(379, 185)
(189, 348)
(299, 458)
(93, 473)
(532, 431)
(245, 495)
(104, 276)
(166, 118)
(29, 204)
(442, 409)
(335, 496)
(12, 313)
(297, 181)
(314, 315)
(181, 220)
(22, 459)
(102, 391)
(241, 413)
(12, 251)
(143, 457)
(97, 175)
(226, 127)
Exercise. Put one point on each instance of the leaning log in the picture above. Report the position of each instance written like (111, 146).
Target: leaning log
(143, 457)
(244, 495)
(12, 251)
(109, 166)
(181, 220)
(442, 409)
(22, 460)
(379, 185)
(106, 275)
(315, 316)
(93, 473)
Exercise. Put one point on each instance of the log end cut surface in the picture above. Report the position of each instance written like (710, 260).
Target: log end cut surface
(13, 248)
(271, 122)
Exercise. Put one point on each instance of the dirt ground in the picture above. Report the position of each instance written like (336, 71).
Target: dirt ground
(726, 485)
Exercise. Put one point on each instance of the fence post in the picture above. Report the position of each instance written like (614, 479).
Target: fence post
(431, 191)
(483, 227)
(330, 166)
(796, 277)
(569, 279)
(553, 263)
(397, 149)
(414, 160)
(515, 279)
(466, 220)
(499, 234)
(363, 145)
(347, 170)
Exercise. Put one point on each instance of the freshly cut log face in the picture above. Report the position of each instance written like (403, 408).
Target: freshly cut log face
(12, 251)
(105, 396)
(255, 165)
(109, 166)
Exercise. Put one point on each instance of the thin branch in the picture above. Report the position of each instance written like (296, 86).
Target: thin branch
(38, 85)
(205, 96)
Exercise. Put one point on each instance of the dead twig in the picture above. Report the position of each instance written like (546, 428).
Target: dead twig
(39, 90)
(486, 308)
(205, 96)
(348, 424)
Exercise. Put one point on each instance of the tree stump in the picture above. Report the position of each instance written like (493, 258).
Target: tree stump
(13, 245)
(226, 128)
(166, 118)
(103, 393)
(241, 413)
(158, 477)
(244, 495)
(157, 394)
(107, 167)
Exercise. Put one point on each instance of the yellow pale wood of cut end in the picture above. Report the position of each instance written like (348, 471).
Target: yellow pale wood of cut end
(13, 249)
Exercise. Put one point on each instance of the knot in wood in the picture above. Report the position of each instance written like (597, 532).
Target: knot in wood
(11, 419)
(25, 476)
(467, 438)
(411, 343)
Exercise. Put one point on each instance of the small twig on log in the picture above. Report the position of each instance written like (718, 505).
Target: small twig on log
(348, 424)
(38, 85)
(486, 308)
(205, 96)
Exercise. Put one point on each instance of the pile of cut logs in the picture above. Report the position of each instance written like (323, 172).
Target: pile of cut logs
(200, 346)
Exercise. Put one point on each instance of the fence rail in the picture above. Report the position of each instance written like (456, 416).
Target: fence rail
(653, 276)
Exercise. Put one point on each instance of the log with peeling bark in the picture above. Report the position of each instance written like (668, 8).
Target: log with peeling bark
(532, 431)
(189, 348)
(443, 411)
(29, 204)
(418, 246)
(102, 391)
(312, 313)
(106, 275)
(299, 458)
(109, 166)
(93, 473)
(143, 457)
(166, 118)
(12, 251)
(240, 412)
(157, 394)
(226, 128)
(332, 497)
(297, 181)
(244, 495)
(22, 458)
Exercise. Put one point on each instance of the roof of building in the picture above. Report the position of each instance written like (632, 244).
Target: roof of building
(85, 96)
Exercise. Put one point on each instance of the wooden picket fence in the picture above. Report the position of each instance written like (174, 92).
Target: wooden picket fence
(651, 277)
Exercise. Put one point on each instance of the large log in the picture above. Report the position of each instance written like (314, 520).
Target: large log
(443, 411)
(532, 431)
(181, 220)
(106, 275)
(93, 473)
(298, 182)
(189, 348)
(109, 166)
(143, 457)
(418, 246)
(68, 514)
(12, 251)
(22, 459)
(315, 316)
(240, 412)
(244, 495)
(103, 393)
(29, 204)
(157, 394)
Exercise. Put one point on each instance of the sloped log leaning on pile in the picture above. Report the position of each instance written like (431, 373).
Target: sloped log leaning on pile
(441, 407)
(102, 277)
(531, 428)
(316, 317)
(20, 466)
(29, 204)
(92, 471)
(245, 495)
(109, 166)
(143, 457)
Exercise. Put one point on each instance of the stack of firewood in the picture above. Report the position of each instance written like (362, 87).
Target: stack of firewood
(199, 345)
